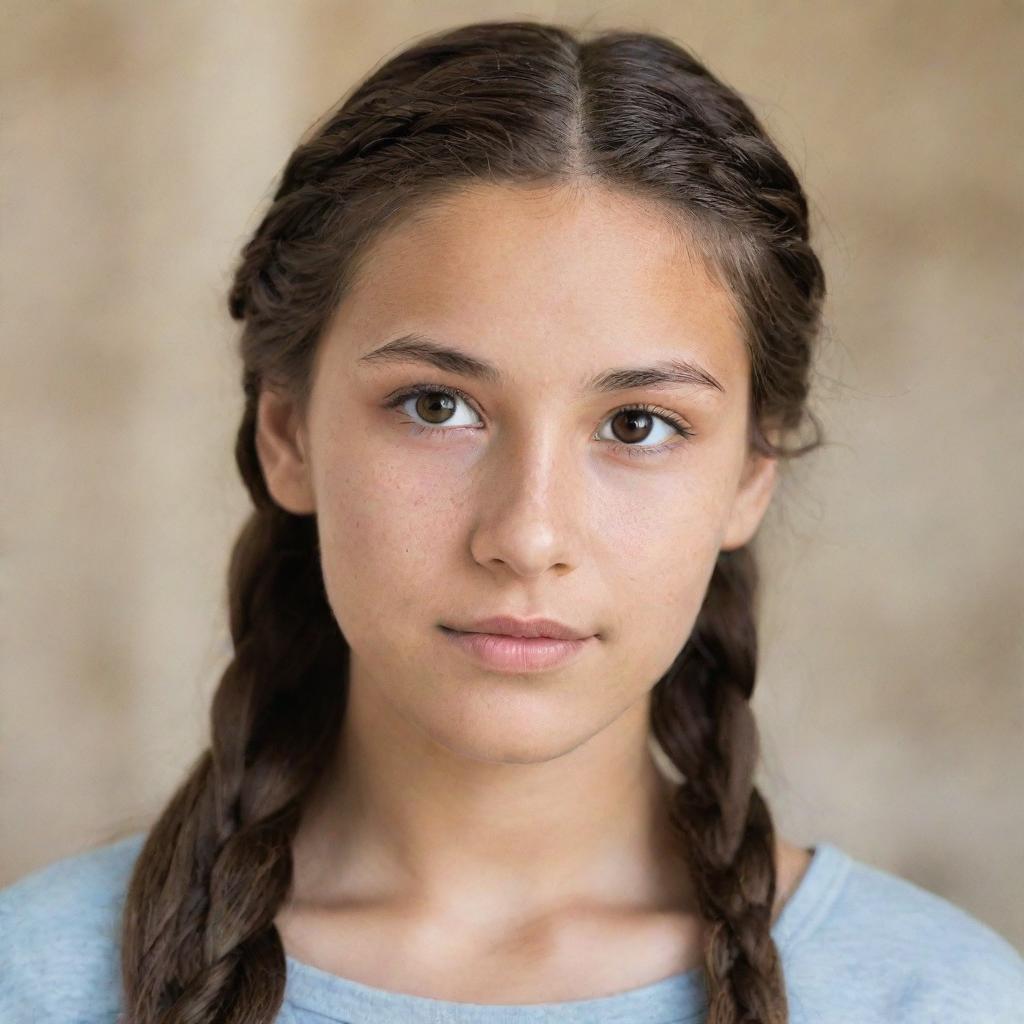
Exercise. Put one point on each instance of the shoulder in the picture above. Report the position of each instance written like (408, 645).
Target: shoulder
(877, 946)
(60, 936)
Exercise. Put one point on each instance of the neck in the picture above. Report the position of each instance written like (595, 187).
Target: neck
(400, 817)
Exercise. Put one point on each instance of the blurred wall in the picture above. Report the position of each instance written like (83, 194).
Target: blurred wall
(141, 141)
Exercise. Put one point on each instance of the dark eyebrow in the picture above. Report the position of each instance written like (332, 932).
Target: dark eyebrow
(418, 348)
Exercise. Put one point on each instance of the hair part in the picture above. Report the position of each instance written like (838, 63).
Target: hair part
(529, 105)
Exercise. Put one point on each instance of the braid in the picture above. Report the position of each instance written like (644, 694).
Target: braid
(217, 864)
(701, 717)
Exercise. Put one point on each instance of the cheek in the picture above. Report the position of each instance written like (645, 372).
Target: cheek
(380, 526)
(658, 550)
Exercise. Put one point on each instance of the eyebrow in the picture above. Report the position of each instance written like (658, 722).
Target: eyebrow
(418, 348)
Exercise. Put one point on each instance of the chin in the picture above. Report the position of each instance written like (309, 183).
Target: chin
(495, 736)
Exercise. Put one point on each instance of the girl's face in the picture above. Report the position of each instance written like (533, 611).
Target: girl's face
(525, 490)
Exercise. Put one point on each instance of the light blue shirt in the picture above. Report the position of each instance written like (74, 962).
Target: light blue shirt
(858, 946)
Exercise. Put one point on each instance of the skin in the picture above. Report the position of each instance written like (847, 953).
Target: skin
(497, 837)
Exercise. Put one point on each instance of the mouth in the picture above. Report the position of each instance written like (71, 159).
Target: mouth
(513, 626)
(503, 653)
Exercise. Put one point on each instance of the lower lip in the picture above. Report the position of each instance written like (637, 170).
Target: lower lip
(516, 653)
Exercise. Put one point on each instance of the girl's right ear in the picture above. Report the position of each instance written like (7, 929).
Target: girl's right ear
(283, 452)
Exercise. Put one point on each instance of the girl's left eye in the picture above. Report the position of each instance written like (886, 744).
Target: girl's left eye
(446, 399)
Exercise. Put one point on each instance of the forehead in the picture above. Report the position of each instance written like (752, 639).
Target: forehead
(578, 278)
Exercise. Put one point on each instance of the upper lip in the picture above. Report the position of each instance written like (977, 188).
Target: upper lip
(508, 625)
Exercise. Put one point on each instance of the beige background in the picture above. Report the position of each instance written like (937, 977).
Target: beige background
(140, 143)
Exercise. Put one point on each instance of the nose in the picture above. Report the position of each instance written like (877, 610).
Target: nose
(529, 500)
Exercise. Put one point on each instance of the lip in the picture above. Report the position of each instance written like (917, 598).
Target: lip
(505, 653)
(509, 625)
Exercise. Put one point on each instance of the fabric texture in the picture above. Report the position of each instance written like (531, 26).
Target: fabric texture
(859, 946)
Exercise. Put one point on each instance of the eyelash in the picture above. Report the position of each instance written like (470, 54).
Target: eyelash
(416, 390)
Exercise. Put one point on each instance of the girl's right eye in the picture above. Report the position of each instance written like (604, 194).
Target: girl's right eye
(444, 401)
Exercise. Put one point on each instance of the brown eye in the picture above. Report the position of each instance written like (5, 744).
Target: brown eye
(635, 425)
(435, 406)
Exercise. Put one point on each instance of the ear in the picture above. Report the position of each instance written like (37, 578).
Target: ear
(751, 502)
(283, 451)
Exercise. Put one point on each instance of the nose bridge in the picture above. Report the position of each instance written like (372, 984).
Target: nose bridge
(528, 500)
(536, 462)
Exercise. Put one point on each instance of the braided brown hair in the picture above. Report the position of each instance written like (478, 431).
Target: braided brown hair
(504, 102)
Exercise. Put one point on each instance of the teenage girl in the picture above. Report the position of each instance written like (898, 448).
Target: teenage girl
(526, 334)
